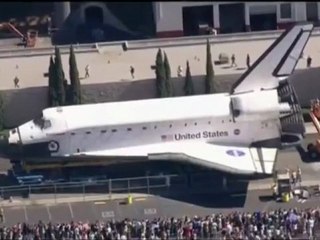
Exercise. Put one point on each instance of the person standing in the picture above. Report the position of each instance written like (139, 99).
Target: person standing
(16, 82)
(233, 61)
(248, 60)
(132, 72)
(179, 71)
(1, 215)
(87, 69)
(294, 178)
(299, 177)
(309, 60)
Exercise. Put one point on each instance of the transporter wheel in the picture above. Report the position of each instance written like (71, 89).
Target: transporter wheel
(313, 154)
(53, 146)
(312, 151)
(310, 147)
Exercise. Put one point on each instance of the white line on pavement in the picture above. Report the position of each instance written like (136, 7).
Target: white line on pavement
(49, 214)
(25, 214)
(71, 211)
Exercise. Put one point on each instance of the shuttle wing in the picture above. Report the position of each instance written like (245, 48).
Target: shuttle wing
(239, 160)
(279, 60)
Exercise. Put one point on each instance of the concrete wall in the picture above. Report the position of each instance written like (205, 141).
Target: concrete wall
(25, 104)
(169, 20)
(168, 15)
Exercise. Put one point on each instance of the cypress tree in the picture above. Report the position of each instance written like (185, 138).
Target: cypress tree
(1, 112)
(51, 87)
(188, 86)
(75, 88)
(209, 79)
(160, 76)
(169, 84)
(67, 92)
(59, 78)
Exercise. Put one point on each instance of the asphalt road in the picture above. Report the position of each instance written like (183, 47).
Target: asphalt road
(151, 207)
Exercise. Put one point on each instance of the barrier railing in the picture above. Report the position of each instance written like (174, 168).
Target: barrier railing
(111, 186)
(193, 183)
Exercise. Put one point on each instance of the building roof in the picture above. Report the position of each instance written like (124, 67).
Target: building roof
(141, 111)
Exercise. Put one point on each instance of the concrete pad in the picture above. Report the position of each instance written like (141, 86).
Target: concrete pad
(37, 213)
(30, 70)
(168, 207)
(14, 215)
(112, 81)
(83, 211)
(106, 210)
(310, 128)
(59, 213)
(125, 210)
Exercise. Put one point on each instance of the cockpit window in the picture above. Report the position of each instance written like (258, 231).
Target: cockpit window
(42, 123)
(47, 124)
(38, 121)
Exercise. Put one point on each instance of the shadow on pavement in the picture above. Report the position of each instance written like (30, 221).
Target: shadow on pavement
(266, 198)
(210, 200)
(207, 195)
(190, 184)
(226, 67)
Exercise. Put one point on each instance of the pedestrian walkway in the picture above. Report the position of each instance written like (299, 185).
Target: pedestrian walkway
(112, 65)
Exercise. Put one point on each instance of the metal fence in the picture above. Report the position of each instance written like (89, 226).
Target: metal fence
(164, 185)
(145, 184)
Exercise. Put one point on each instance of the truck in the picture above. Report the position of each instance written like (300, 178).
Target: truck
(282, 187)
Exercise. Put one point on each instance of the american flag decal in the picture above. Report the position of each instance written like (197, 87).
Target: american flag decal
(167, 137)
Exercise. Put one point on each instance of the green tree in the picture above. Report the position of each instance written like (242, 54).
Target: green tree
(209, 79)
(160, 76)
(75, 88)
(52, 96)
(59, 78)
(188, 86)
(1, 112)
(169, 84)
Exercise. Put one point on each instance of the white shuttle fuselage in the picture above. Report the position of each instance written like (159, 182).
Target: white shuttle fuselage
(206, 118)
(237, 132)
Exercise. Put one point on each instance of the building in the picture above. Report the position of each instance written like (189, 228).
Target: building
(78, 22)
(174, 19)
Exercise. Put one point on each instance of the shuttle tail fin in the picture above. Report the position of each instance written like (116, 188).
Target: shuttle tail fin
(277, 62)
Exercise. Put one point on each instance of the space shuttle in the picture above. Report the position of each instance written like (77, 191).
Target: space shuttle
(236, 132)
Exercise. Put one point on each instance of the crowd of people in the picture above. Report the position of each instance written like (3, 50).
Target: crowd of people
(278, 224)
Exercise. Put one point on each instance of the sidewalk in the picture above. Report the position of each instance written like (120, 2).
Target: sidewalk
(113, 65)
